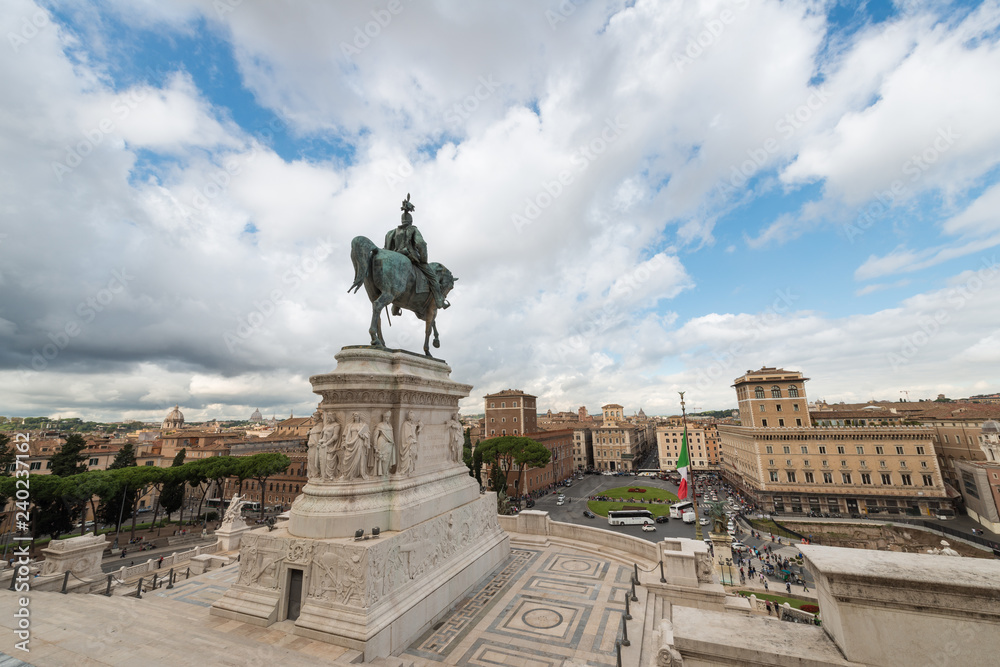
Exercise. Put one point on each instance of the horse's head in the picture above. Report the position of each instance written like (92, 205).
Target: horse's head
(445, 279)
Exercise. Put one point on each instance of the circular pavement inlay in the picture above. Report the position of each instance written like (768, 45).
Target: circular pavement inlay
(542, 619)
(575, 565)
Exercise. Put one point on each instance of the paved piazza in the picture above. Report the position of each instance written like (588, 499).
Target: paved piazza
(545, 606)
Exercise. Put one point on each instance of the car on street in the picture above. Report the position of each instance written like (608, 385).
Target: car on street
(648, 528)
(529, 503)
(688, 517)
(738, 546)
(663, 518)
(588, 514)
(560, 501)
(703, 521)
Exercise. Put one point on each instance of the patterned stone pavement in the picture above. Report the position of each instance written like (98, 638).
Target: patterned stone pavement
(546, 606)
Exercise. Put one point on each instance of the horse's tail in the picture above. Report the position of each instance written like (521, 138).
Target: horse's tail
(361, 253)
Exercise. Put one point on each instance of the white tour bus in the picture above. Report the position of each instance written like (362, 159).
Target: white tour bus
(624, 517)
(677, 511)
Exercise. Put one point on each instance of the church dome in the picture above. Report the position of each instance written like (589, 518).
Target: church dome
(256, 417)
(174, 418)
(991, 427)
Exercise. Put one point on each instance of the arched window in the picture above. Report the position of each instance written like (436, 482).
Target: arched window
(775, 391)
(759, 392)
(793, 391)
(270, 487)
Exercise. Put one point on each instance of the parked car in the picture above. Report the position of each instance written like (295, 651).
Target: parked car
(663, 518)
(648, 528)
(588, 514)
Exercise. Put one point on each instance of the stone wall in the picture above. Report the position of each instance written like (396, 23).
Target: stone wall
(884, 537)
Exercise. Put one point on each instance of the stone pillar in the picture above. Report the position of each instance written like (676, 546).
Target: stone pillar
(229, 535)
(79, 555)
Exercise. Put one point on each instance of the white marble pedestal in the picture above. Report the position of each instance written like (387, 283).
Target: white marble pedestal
(438, 534)
(230, 534)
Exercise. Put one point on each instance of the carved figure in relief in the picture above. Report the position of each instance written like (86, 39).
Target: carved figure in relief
(456, 438)
(357, 450)
(329, 447)
(314, 464)
(407, 454)
(384, 445)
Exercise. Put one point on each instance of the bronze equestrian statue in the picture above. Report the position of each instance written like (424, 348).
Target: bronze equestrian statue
(400, 275)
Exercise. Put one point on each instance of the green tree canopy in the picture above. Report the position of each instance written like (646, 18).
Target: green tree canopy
(513, 453)
(70, 460)
(172, 496)
(262, 466)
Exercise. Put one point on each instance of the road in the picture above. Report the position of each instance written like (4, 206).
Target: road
(590, 485)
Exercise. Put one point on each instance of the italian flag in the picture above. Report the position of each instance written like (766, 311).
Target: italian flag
(682, 467)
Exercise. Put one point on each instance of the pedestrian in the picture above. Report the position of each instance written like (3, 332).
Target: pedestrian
(788, 587)
(159, 563)
(768, 605)
(765, 586)
(805, 589)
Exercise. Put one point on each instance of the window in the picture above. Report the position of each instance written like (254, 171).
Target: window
(902, 464)
(843, 463)
(920, 450)
(36, 465)
(503, 404)
(795, 406)
(899, 450)
(781, 422)
(798, 422)
(759, 392)
(778, 407)
(846, 476)
(774, 476)
(775, 392)
(881, 464)
(928, 481)
(822, 450)
(793, 392)
(861, 450)
(828, 478)
(788, 462)
(787, 449)
(763, 422)
(804, 449)
(791, 476)
(866, 478)
(923, 464)
(770, 462)
(149, 463)
(93, 462)
(946, 438)
(905, 479)
(513, 404)
(493, 405)
(880, 450)
(806, 463)
(886, 479)
(864, 464)
(762, 408)
(840, 450)
(770, 449)
(809, 478)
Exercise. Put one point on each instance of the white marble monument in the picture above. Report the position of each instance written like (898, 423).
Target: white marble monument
(383, 455)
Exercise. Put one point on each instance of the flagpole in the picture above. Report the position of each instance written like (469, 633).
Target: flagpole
(694, 499)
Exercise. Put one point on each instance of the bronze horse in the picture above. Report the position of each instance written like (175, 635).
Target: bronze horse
(390, 278)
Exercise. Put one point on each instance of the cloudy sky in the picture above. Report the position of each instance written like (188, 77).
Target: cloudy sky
(638, 197)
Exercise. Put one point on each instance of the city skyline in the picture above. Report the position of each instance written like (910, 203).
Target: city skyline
(638, 198)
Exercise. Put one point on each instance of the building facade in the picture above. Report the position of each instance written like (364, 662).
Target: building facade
(785, 464)
(703, 446)
(510, 412)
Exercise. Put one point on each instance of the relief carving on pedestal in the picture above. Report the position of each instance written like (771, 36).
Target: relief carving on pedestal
(703, 564)
(357, 456)
(385, 446)
(329, 454)
(407, 450)
(456, 438)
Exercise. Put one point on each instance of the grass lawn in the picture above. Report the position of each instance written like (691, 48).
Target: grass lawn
(664, 497)
(780, 599)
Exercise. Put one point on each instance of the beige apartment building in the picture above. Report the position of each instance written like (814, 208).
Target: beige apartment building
(703, 446)
(617, 443)
(785, 464)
